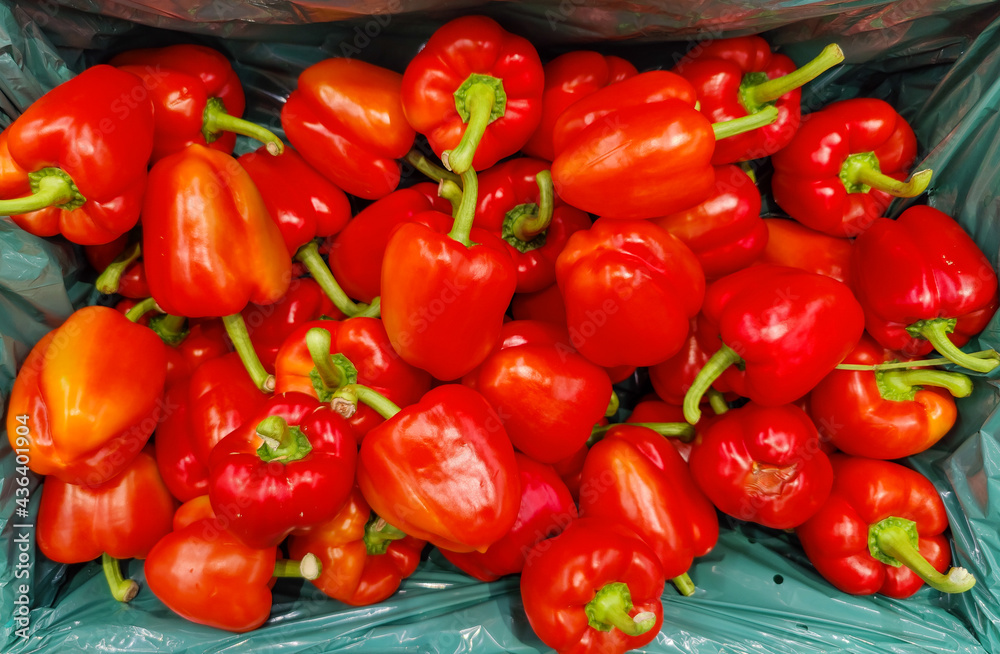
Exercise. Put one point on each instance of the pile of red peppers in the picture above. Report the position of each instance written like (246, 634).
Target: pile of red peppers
(301, 388)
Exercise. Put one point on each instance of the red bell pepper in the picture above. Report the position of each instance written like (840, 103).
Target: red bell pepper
(633, 475)
(298, 478)
(121, 269)
(844, 166)
(122, 518)
(788, 327)
(725, 231)
(881, 531)
(74, 163)
(568, 78)
(885, 414)
(611, 146)
(210, 246)
(346, 119)
(790, 243)
(201, 342)
(364, 559)
(79, 412)
(197, 98)
(672, 378)
(442, 470)
(763, 465)
(305, 365)
(475, 91)
(630, 290)
(924, 284)
(594, 588)
(740, 76)
(546, 509)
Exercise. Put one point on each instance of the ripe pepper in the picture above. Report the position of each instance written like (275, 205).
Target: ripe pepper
(204, 574)
(763, 465)
(740, 76)
(298, 478)
(920, 278)
(80, 414)
(346, 119)
(445, 293)
(210, 246)
(475, 91)
(881, 531)
(305, 365)
(633, 475)
(612, 143)
(201, 342)
(885, 414)
(74, 163)
(545, 305)
(672, 378)
(546, 509)
(725, 231)
(789, 328)
(790, 243)
(630, 289)
(568, 78)
(516, 202)
(197, 98)
(594, 588)
(121, 269)
(122, 518)
(441, 470)
(364, 559)
(844, 166)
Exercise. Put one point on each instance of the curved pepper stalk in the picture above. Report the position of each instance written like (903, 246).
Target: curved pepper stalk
(894, 541)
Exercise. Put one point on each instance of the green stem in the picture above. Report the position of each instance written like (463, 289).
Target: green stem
(684, 585)
(417, 159)
(727, 128)
(610, 610)
(51, 189)
(719, 361)
(894, 365)
(613, 405)
(861, 173)
(717, 401)
(345, 401)
(769, 91)
(107, 282)
(309, 567)
(142, 308)
(309, 255)
(171, 329)
(216, 120)
(894, 541)
(318, 342)
(527, 226)
(124, 590)
(466, 213)
(451, 192)
(237, 330)
(282, 442)
(480, 100)
(379, 534)
(904, 383)
(936, 331)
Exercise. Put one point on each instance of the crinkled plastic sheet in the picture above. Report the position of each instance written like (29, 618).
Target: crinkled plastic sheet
(938, 62)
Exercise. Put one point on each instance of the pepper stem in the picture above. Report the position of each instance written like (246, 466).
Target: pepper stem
(613, 405)
(610, 609)
(237, 330)
(419, 161)
(722, 359)
(345, 401)
(684, 585)
(309, 255)
(527, 225)
(451, 192)
(309, 567)
(170, 328)
(895, 541)
(216, 120)
(895, 365)
(682, 431)
(124, 590)
(903, 384)
(756, 95)
(861, 173)
(318, 342)
(107, 282)
(52, 189)
(727, 128)
(717, 401)
(379, 534)
(281, 442)
(141, 308)
(466, 213)
(479, 101)
(936, 331)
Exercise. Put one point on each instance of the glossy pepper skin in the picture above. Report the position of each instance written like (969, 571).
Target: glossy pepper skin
(467, 52)
(546, 509)
(725, 231)
(599, 568)
(568, 78)
(346, 119)
(763, 465)
(635, 476)
(443, 470)
(316, 453)
(364, 342)
(203, 341)
(887, 414)
(360, 566)
(672, 378)
(95, 176)
(87, 414)
(630, 289)
(789, 243)
(815, 178)
(209, 244)
(545, 305)
(873, 502)
(123, 517)
(919, 272)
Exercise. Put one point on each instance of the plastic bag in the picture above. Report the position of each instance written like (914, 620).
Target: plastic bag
(937, 62)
